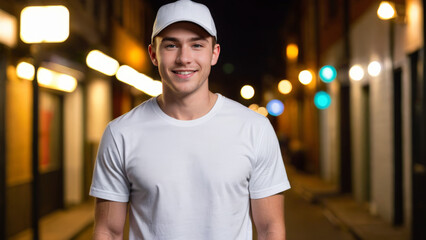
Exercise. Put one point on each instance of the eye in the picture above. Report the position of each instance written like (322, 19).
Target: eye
(171, 45)
(197, 45)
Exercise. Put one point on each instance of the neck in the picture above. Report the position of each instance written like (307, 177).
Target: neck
(187, 108)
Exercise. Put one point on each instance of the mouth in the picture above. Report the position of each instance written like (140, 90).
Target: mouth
(184, 73)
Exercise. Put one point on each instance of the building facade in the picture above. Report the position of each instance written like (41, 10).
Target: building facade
(70, 123)
(372, 136)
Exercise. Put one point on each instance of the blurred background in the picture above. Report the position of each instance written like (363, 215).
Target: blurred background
(342, 82)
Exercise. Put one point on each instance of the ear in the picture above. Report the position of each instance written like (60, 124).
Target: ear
(152, 55)
(216, 52)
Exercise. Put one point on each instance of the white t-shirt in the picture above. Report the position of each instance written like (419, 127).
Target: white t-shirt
(189, 179)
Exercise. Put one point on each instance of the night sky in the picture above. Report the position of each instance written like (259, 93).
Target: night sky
(252, 38)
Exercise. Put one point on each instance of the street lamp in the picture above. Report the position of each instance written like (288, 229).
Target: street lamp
(101, 62)
(44, 24)
(25, 71)
(388, 10)
(41, 24)
(46, 77)
(8, 29)
(139, 80)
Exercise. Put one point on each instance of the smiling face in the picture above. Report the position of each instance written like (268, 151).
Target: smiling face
(184, 54)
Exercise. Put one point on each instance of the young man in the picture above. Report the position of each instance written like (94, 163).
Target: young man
(191, 164)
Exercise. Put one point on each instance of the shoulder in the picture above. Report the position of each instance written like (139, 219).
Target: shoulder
(138, 115)
(242, 113)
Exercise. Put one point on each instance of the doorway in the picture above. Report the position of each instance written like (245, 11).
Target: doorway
(418, 130)
(397, 148)
(50, 151)
(366, 163)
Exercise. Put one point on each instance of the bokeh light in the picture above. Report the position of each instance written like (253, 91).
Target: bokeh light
(247, 92)
(285, 87)
(374, 68)
(305, 77)
(25, 71)
(275, 107)
(263, 111)
(254, 107)
(356, 73)
(44, 24)
(322, 100)
(327, 73)
(139, 80)
(101, 62)
(228, 68)
(292, 51)
(8, 29)
(386, 10)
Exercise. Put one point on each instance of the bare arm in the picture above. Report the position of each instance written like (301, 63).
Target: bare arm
(268, 217)
(110, 218)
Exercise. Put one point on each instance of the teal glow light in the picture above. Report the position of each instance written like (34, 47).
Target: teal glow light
(275, 107)
(322, 100)
(327, 73)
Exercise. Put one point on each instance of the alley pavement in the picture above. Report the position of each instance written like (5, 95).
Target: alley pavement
(342, 210)
(307, 221)
(314, 210)
(63, 224)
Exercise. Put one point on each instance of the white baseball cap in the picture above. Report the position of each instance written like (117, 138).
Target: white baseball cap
(183, 10)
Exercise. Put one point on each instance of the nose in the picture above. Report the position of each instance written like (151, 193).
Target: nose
(184, 55)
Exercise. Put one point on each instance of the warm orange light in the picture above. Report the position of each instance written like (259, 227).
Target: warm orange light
(8, 29)
(101, 62)
(386, 10)
(285, 86)
(45, 24)
(46, 77)
(54, 80)
(254, 107)
(25, 71)
(263, 111)
(140, 81)
(292, 51)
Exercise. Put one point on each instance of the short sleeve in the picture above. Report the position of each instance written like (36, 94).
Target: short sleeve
(269, 176)
(109, 179)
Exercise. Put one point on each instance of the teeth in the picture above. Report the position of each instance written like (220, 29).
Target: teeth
(184, 72)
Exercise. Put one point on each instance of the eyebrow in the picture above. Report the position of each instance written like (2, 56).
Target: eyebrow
(172, 39)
